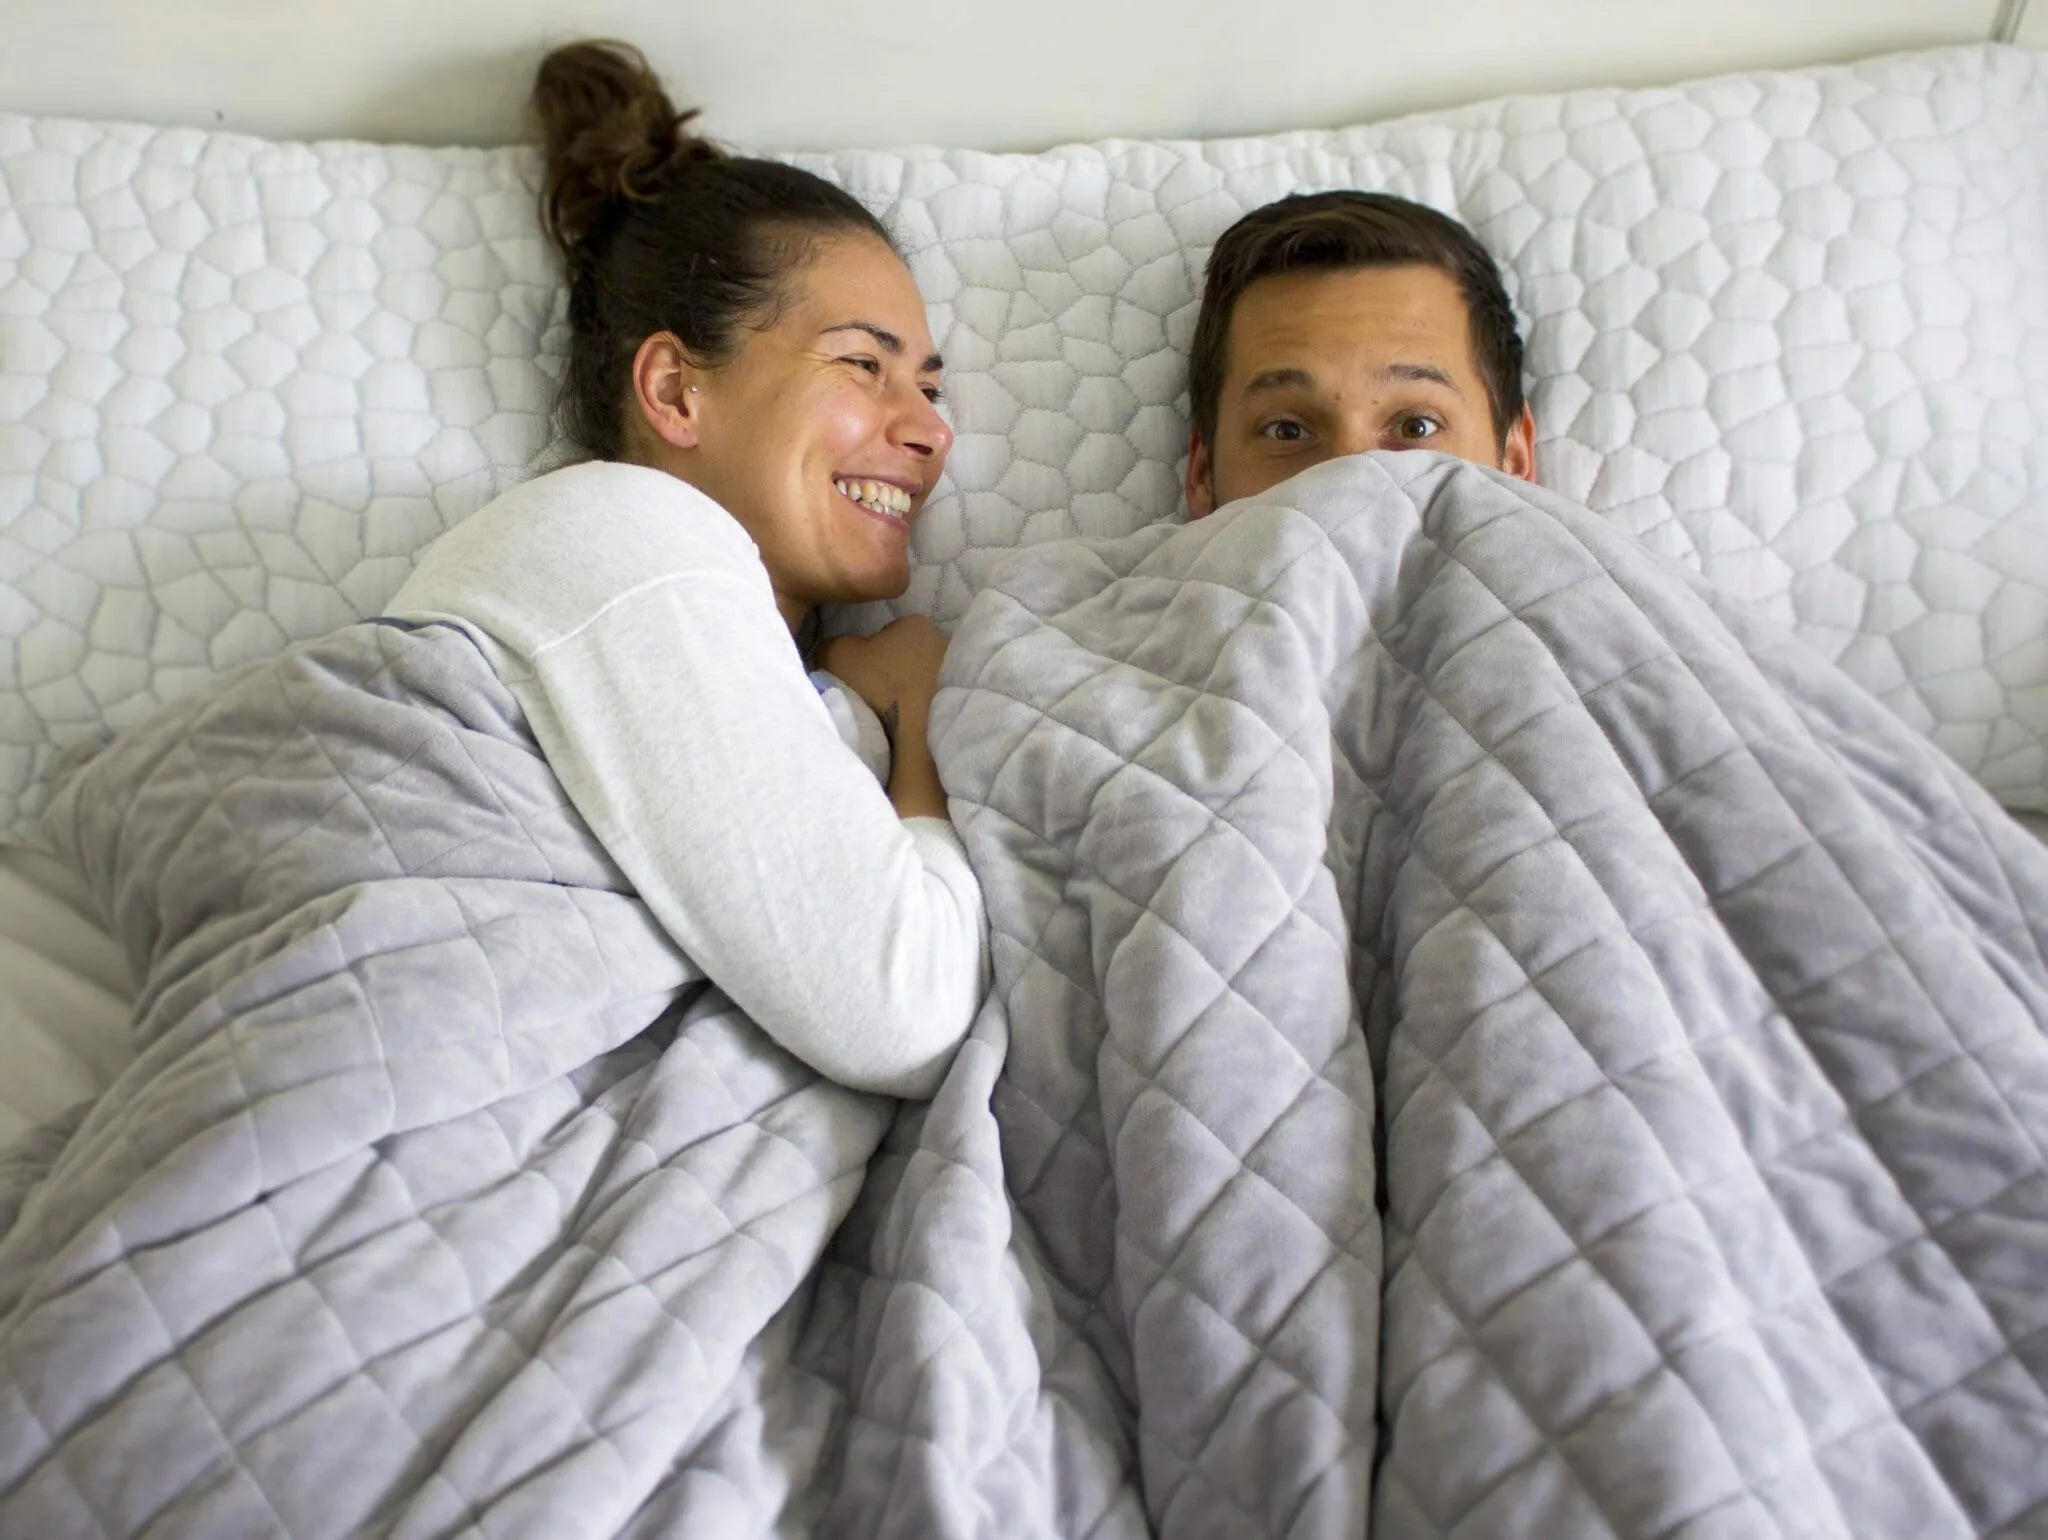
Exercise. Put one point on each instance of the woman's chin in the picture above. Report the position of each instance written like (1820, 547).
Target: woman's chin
(884, 581)
(894, 588)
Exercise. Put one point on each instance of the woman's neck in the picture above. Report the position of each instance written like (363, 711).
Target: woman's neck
(795, 612)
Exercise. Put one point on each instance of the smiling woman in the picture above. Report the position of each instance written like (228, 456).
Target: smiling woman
(740, 324)
(819, 435)
(751, 364)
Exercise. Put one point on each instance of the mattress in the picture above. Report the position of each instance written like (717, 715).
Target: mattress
(1791, 327)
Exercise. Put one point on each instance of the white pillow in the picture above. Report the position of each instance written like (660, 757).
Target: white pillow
(1792, 327)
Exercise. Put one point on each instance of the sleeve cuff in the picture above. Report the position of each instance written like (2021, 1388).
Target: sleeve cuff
(940, 848)
(937, 841)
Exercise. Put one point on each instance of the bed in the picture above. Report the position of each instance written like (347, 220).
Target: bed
(1785, 327)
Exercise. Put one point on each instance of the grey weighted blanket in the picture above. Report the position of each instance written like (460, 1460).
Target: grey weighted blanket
(1485, 1041)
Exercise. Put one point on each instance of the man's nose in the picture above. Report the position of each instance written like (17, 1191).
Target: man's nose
(1353, 436)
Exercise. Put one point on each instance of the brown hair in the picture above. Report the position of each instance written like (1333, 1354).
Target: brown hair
(660, 230)
(1349, 229)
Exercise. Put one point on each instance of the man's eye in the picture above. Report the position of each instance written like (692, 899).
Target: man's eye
(1415, 427)
(1285, 429)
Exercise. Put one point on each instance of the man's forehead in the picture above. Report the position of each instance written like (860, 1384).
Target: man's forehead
(1310, 321)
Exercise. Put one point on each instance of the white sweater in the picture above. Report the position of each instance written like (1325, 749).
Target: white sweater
(633, 619)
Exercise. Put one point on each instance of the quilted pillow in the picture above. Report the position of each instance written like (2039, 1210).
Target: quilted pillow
(1791, 327)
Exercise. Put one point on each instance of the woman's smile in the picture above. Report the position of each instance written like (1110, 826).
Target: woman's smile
(886, 500)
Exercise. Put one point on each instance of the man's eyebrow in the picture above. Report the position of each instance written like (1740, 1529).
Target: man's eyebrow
(1277, 379)
(1427, 373)
(891, 343)
(1291, 377)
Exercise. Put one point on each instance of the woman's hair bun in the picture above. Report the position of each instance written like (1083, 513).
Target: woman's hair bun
(608, 133)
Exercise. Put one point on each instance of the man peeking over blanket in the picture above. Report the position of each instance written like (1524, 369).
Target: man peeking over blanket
(1488, 1037)
(1340, 322)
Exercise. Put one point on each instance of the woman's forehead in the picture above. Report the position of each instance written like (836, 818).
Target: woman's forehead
(859, 279)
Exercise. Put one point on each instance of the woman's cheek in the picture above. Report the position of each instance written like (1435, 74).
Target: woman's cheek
(847, 420)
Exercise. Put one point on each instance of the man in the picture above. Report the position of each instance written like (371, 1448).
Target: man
(1334, 323)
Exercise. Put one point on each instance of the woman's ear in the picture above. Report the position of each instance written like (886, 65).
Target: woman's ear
(665, 390)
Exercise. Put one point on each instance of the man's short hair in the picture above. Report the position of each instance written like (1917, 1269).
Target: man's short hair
(1346, 229)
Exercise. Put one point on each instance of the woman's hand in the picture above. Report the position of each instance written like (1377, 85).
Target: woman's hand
(896, 671)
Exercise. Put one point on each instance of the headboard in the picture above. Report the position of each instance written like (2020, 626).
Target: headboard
(808, 74)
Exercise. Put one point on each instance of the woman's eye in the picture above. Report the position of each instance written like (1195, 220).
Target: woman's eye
(1285, 429)
(871, 365)
(933, 394)
(1415, 426)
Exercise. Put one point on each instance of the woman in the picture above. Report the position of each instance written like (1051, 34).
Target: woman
(750, 362)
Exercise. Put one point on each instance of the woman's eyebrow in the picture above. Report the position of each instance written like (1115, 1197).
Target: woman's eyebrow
(891, 343)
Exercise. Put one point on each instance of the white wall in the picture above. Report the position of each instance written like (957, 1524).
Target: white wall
(828, 73)
(2034, 25)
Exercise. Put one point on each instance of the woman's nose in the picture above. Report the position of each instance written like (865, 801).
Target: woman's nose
(922, 429)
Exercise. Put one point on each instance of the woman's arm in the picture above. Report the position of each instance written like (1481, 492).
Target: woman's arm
(913, 774)
(685, 730)
(636, 624)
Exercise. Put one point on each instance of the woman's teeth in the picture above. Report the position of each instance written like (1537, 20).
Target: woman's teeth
(878, 496)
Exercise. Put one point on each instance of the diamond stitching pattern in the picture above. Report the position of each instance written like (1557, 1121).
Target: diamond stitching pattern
(1784, 1306)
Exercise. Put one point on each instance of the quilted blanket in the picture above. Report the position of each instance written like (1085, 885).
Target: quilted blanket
(1705, 1003)
(1486, 1041)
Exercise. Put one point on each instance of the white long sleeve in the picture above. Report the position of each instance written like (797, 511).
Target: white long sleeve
(632, 618)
